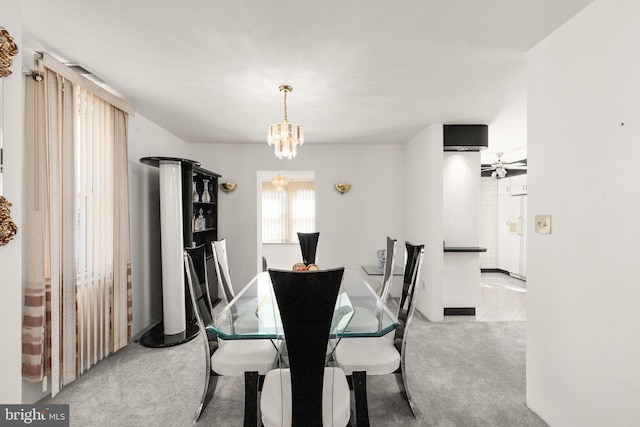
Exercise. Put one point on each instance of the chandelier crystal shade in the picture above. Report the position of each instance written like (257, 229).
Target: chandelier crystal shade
(279, 182)
(285, 136)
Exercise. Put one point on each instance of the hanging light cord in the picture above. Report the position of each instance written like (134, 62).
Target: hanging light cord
(285, 104)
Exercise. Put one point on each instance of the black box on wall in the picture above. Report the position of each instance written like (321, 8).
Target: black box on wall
(466, 137)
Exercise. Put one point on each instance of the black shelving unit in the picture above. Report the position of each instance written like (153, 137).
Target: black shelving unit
(191, 173)
(210, 209)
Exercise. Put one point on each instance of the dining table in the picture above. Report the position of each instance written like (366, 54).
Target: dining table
(253, 312)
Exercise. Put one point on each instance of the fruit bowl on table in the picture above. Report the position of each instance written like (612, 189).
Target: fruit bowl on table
(300, 266)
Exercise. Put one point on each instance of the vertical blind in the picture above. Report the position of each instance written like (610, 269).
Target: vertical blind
(78, 292)
(287, 210)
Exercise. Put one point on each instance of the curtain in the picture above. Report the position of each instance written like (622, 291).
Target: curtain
(287, 210)
(78, 287)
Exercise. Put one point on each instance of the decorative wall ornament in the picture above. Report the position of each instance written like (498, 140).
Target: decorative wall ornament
(8, 228)
(8, 50)
(343, 188)
(228, 187)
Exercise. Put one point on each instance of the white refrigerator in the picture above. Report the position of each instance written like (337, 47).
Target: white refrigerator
(512, 235)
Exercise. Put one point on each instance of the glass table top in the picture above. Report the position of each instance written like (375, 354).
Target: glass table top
(253, 313)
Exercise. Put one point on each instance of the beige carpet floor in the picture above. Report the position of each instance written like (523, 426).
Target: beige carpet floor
(462, 374)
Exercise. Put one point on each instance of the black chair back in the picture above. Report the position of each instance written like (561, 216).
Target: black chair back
(308, 246)
(306, 301)
(415, 255)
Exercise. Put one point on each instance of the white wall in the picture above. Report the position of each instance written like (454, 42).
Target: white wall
(284, 255)
(423, 215)
(352, 226)
(147, 139)
(461, 198)
(11, 254)
(583, 279)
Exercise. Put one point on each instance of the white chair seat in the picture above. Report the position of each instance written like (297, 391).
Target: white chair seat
(275, 402)
(235, 357)
(376, 356)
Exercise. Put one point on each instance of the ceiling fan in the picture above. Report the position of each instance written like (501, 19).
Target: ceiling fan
(500, 168)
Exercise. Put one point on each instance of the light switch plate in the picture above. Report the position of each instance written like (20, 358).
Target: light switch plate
(543, 224)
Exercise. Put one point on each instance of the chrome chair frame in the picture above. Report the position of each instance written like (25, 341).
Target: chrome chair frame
(406, 308)
(253, 379)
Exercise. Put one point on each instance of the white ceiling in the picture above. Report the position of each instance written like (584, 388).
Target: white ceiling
(363, 71)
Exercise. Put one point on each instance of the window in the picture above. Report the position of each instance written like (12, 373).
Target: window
(287, 210)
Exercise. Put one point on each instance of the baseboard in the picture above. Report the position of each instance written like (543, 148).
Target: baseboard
(459, 311)
(493, 270)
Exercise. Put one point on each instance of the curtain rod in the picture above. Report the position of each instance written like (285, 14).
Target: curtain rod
(63, 70)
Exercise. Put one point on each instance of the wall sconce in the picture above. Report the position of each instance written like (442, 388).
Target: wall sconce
(228, 187)
(342, 188)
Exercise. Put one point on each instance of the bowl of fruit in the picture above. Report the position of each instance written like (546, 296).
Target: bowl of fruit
(300, 266)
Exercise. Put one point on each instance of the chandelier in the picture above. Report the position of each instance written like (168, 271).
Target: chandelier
(279, 182)
(285, 136)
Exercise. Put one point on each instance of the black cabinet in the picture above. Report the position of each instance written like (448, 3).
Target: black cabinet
(204, 208)
(199, 226)
(204, 221)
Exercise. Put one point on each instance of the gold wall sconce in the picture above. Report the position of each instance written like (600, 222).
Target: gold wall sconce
(228, 187)
(343, 188)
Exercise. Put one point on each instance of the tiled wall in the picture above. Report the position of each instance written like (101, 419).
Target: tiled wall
(488, 222)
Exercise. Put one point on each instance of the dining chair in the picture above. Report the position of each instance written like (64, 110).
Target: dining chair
(389, 265)
(359, 357)
(228, 358)
(244, 322)
(307, 393)
(308, 246)
(219, 249)
(365, 319)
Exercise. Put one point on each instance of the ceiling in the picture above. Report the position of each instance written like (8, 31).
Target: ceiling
(362, 71)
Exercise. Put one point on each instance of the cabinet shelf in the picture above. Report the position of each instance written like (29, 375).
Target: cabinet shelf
(204, 231)
(205, 204)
